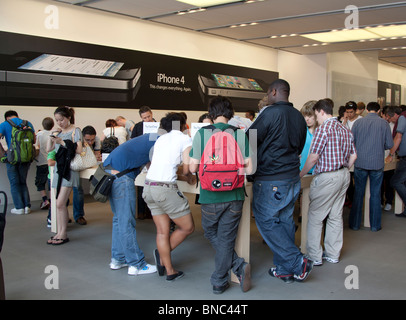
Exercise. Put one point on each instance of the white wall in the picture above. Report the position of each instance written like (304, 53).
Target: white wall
(306, 76)
(352, 77)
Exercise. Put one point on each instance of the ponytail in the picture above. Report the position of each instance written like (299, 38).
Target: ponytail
(66, 112)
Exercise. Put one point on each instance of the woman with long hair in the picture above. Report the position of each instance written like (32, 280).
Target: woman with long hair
(65, 119)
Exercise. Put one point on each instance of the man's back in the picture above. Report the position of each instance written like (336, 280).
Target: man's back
(199, 143)
(132, 154)
(372, 136)
(281, 135)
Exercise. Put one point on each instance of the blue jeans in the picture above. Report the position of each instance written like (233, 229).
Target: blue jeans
(399, 179)
(220, 224)
(17, 175)
(78, 202)
(124, 246)
(375, 211)
(273, 205)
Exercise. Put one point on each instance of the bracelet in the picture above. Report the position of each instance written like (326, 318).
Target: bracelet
(391, 154)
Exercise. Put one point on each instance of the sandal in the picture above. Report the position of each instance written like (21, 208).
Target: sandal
(50, 240)
(62, 241)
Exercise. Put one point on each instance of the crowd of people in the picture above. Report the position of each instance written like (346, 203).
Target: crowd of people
(279, 144)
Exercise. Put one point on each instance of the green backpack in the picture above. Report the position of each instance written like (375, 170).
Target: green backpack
(22, 143)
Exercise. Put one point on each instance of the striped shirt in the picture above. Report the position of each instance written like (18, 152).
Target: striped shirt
(334, 144)
(372, 136)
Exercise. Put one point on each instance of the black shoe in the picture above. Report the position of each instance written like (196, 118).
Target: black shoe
(175, 276)
(220, 289)
(245, 277)
(401, 215)
(307, 267)
(159, 267)
(287, 278)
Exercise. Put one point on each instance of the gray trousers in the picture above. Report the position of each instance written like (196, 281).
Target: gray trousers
(327, 196)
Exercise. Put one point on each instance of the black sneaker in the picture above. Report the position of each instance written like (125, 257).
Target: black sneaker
(245, 277)
(307, 267)
(220, 289)
(287, 278)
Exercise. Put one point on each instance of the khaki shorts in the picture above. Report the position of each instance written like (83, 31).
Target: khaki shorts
(165, 198)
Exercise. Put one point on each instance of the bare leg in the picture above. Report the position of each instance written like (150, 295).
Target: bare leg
(62, 216)
(166, 242)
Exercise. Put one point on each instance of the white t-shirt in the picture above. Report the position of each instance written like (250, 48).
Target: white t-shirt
(119, 132)
(167, 156)
(350, 123)
(42, 139)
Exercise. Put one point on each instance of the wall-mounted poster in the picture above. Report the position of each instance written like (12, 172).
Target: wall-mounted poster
(44, 71)
(389, 94)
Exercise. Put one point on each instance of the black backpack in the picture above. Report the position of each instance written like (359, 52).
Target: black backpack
(110, 143)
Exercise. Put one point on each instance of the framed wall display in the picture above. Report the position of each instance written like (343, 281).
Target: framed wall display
(389, 94)
(44, 71)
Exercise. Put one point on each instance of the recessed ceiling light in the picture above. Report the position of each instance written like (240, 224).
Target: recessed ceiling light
(207, 3)
(369, 33)
(342, 35)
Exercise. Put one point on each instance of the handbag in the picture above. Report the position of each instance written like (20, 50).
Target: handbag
(101, 183)
(84, 160)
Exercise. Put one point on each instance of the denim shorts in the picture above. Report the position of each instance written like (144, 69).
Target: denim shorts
(166, 199)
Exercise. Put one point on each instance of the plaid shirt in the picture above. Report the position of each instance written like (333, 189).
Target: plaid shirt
(334, 144)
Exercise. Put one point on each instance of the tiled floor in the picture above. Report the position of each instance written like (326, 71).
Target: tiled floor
(81, 267)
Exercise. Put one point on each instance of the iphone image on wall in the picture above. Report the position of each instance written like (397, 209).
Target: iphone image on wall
(28, 76)
(58, 70)
(232, 86)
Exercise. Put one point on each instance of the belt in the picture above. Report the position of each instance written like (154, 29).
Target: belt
(334, 170)
(161, 184)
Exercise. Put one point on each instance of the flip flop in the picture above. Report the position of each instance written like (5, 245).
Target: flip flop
(62, 241)
(50, 239)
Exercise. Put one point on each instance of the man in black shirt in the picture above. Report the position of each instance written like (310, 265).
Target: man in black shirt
(146, 116)
(280, 132)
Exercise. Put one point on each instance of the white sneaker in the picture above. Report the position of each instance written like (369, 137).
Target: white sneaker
(17, 211)
(388, 207)
(133, 271)
(331, 260)
(114, 265)
(27, 210)
(318, 262)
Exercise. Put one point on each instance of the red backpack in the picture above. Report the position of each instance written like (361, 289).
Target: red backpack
(222, 164)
